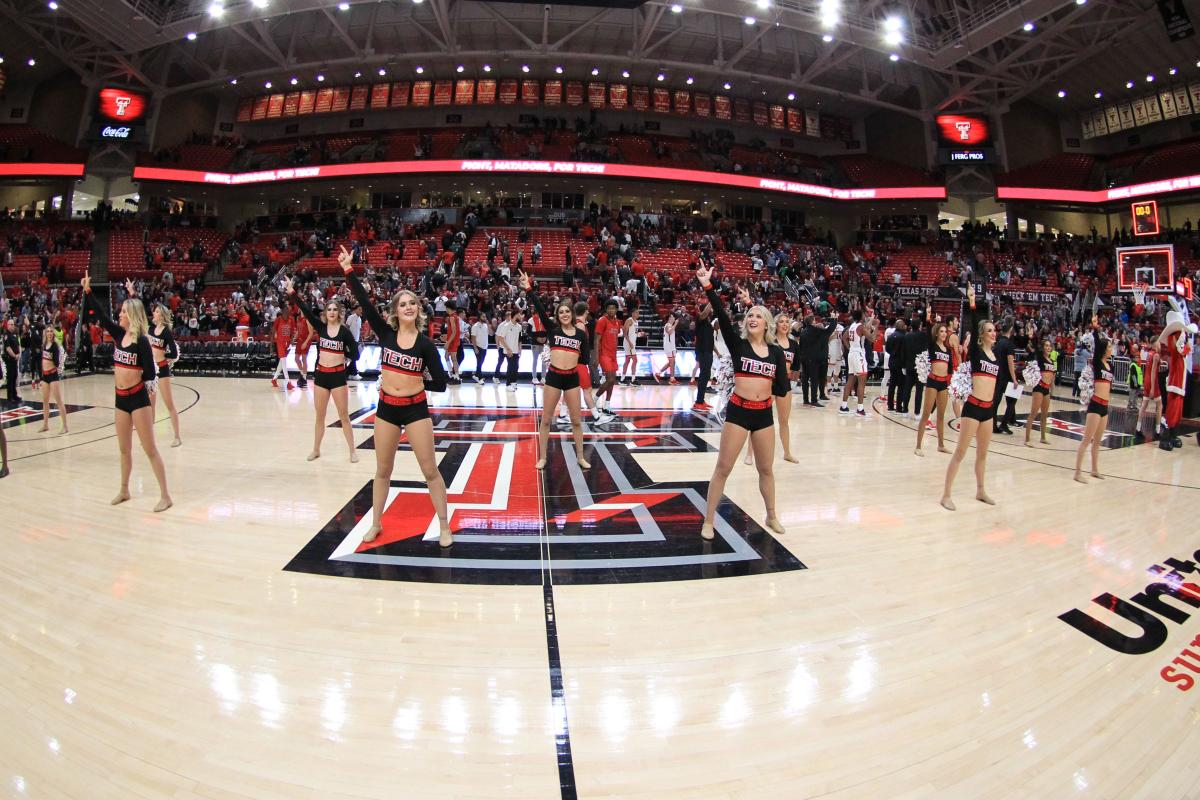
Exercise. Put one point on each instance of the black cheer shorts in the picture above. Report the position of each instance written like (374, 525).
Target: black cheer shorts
(562, 379)
(131, 399)
(401, 411)
(976, 409)
(331, 379)
(753, 415)
(1098, 406)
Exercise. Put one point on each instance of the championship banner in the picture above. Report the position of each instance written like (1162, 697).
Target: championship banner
(443, 93)
(795, 120)
(1153, 112)
(485, 92)
(531, 92)
(1099, 122)
(422, 93)
(260, 107)
(741, 110)
(508, 91)
(777, 117)
(703, 105)
(574, 93)
(761, 117)
(1113, 118)
(618, 96)
(1194, 96)
(662, 101)
(400, 90)
(722, 108)
(341, 98)
(812, 123)
(1140, 116)
(1125, 110)
(245, 109)
(1167, 100)
(1085, 125)
(596, 94)
(380, 95)
(291, 104)
(552, 93)
(1183, 103)
(640, 98)
(275, 106)
(324, 101)
(358, 97)
(464, 92)
(308, 101)
(683, 102)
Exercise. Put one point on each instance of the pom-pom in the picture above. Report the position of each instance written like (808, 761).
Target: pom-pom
(1087, 385)
(923, 366)
(1032, 375)
(960, 382)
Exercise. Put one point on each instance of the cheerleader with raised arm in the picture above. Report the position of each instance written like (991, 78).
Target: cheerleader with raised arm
(783, 392)
(51, 358)
(1039, 374)
(133, 374)
(166, 353)
(760, 372)
(937, 385)
(1095, 389)
(567, 341)
(406, 355)
(978, 412)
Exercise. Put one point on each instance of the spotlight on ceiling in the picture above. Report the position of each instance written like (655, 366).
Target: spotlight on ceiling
(676, 8)
(595, 71)
(1027, 27)
(791, 96)
(191, 36)
(750, 20)
(524, 68)
(1062, 93)
(690, 80)
(728, 86)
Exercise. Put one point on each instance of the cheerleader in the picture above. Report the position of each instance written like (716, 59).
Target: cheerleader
(783, 402)
(51, 384)
(1097, 408)
(406, 355)
(760, 371)
(567, 342)
(937, 386)
(1040, 409)
(978, 412)
(668, 351)
(166, 353)
(336, 350)
(133, 374)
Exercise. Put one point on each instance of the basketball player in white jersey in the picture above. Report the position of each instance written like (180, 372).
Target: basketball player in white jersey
(668, 350)
(856, 336)
(630, 333)
(836, 353)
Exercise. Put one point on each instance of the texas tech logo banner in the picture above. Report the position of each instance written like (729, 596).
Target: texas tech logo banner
(609, 524)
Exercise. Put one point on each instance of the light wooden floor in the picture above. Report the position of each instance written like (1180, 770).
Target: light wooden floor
(919, 655)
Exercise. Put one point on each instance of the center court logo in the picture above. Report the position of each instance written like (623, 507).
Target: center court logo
(609, 524)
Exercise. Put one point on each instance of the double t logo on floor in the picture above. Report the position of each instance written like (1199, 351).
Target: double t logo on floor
(609, 524)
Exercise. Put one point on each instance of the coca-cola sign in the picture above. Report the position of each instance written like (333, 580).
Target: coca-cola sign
(110, 132)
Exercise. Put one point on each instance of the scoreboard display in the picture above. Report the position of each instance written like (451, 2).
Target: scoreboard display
(1145, 218)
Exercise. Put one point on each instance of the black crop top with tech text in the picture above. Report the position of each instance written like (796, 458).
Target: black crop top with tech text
(422, 357)
(51, 354)
(746, 362)
(559, 339)
(938, 353)
(343, 343)
(135, 356)
(163, 340)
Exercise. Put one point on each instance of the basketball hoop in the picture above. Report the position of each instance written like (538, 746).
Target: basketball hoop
(1139, 292)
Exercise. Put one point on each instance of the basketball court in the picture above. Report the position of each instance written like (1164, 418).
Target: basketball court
(580, 639)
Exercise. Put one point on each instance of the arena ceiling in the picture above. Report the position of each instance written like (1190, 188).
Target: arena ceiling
(955, 54)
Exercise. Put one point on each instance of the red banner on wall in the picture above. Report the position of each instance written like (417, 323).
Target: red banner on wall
(703, 104)
(640, 98)
(400, 94)
(662, 101)
(443, 93)
(597, 92)
(485, 92)
(308, 101)
(275, 108)
(552, 93)
(722, 108)
(762, 115)
(741, 110)
(341, 98)
(574, 93)
(421, 93)
(245, 109)
(358, 97)
(260, 107)
(324, 101)
(795, 120)
(291, 104)
(464, 92)
(683, 102)
(777, 118)
(618, 96)
(508, 91)
(531, 92)
(380, 94)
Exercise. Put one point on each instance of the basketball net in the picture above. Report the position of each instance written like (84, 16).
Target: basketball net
(1139, 293)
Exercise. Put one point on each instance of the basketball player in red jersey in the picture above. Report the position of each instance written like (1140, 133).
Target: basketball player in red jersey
(284, 331)
(305, 336)
(606, 354)
(453, 341)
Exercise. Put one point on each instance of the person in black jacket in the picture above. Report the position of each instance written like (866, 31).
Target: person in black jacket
(894, 347)
(12, 356)
(704, 355)
(916, 341)
(814, 345)
(1008, 375)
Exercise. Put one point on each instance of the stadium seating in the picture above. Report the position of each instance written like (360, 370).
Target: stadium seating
(1063, 171)
(127, 252)
(26, 143)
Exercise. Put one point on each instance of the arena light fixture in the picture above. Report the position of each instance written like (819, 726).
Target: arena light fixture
(321, 78)
(1, 59)
(1080, 2)
(1028, 27)
(763, 4)
(53, 5)
(421, 70)
(660, 77)
(267, 85)
(294, 81)
(343, 6)
(624, 73)
(32, 62)
(382, 72)
(830, 13)
(487, 67)
(418, 2)
(1128, 84)
(558, 70)
(1172, 71)
(750, 20)
(1098, 94)
(358, 74)
(894, 57)
(1062, 93)
(233, 81)
(460, 68)
(191, 36)
(676, 8)
(827, 38)
(524, 68)
(260, 3)
(893, 30)
(690, 80)
(728, 86)
(595, 71)
(1150, 78)
(216, 8)
(791, 96)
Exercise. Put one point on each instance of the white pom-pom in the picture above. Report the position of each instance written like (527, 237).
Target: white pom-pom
(1032, 375)
(1087, 385)
(923, 366)
(960, 382)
